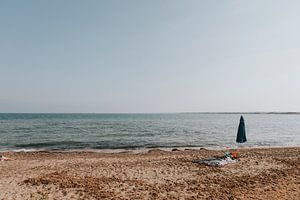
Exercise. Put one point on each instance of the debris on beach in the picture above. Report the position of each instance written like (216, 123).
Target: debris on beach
(2, 158)
(228, 158)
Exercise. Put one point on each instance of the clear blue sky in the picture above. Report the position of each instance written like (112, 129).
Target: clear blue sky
(149, 56)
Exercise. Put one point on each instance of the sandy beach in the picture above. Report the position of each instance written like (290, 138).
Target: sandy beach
(260, 174)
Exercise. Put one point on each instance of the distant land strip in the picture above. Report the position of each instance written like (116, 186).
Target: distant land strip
(283, 113)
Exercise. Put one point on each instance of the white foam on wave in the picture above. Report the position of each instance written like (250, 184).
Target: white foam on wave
(27, 150)
(21, 150)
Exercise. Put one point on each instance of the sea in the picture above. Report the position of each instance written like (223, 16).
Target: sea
(68, 132)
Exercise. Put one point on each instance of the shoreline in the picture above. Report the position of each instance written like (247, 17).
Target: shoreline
(145, 150)
(261, 173)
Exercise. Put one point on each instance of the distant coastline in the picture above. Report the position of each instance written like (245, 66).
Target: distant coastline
(281, 113)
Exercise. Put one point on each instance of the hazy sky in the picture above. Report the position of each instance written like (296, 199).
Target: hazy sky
(149, 56)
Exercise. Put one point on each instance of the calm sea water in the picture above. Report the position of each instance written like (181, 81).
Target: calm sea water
(134, 131)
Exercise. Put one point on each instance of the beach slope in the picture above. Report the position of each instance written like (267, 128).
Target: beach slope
(260, 174)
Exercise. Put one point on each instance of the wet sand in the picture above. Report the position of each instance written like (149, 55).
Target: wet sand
(260, 174)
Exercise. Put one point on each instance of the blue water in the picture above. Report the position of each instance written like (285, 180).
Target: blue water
(134, 131)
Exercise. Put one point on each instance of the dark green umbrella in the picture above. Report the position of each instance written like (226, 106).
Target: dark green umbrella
(241, 134)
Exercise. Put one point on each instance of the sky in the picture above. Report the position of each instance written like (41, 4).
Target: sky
(138, 56)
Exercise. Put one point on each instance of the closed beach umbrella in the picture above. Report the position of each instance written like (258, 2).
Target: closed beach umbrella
(241, 134)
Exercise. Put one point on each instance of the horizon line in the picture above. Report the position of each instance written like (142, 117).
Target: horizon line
(201, 112)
